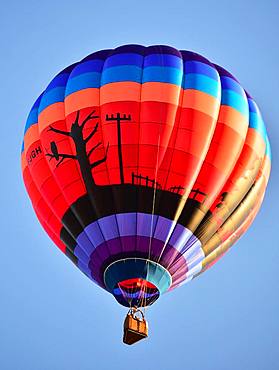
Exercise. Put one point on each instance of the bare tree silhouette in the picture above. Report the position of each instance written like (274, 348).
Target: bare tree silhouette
(83, 158)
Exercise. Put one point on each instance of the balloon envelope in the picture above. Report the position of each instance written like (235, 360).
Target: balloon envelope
(144, 165)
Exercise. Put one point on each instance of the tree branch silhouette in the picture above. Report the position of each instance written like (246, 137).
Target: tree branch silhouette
(82, 155)
(92, 150)
(89, 117)
(58, 156)
(92, 133)
(97, 163)
(61, 132)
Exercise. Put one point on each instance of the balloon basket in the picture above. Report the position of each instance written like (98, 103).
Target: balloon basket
(135, 327)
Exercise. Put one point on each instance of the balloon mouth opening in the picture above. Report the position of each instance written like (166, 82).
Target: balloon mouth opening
(136, 281)
(136, 292)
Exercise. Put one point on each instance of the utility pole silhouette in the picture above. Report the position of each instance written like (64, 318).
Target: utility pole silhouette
(83, 158)
(118, 119)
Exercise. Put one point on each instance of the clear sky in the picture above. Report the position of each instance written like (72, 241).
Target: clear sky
(51, 316)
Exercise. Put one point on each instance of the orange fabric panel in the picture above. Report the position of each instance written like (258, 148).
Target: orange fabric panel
(199, 100)
(53, 113)
(120, 91)
(81, 99)
(233, 118)
(31, 136)
(161, 92)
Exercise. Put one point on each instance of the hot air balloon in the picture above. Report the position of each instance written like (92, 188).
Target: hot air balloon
(144, 165)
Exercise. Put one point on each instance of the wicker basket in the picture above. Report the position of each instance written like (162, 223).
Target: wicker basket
(135, 327)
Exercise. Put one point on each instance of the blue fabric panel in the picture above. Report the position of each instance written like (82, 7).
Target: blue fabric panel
(116, 60)
(163, 74)
(256, 122)
(230, 84)
(202, 83)
(163, 60)
(33, 114)
(88, 66)
(52, 96)
(235, 101)
(200, 68)
(121, 73)
(253, 106)
(268, 148)
(59, 81)
(83, 81)
(32, 119)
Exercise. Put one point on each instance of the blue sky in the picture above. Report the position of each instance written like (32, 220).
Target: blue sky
(53, 317)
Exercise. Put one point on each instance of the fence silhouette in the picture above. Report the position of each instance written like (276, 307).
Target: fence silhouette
(176, 189)
(145, 181)
(197, 193)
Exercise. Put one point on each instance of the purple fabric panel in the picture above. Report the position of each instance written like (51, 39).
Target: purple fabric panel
(162, 49)
(156, 248)
(81, 255)
(85, 243)
(114, 246)
(144, 224)
(188, 248)
(175, 268)
(154, 49)
(124, 59)
(102, 54)
(168, 255)
(178, 274)
(109, 227)
(95, 235)
(163, 229)
(130, 48)
(193, 255)
(182, 279)
(190, 243)
(85, 269)
(189, 55)
(180, 237)
(193, 247)
(224, 72)
(96, 272)
(127, 244)
(127, 223)
(163, 60)
(195, 261)
(100, 241)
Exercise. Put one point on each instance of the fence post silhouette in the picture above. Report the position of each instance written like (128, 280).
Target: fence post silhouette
(146, 181)
(176, 189)
(198, 192)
